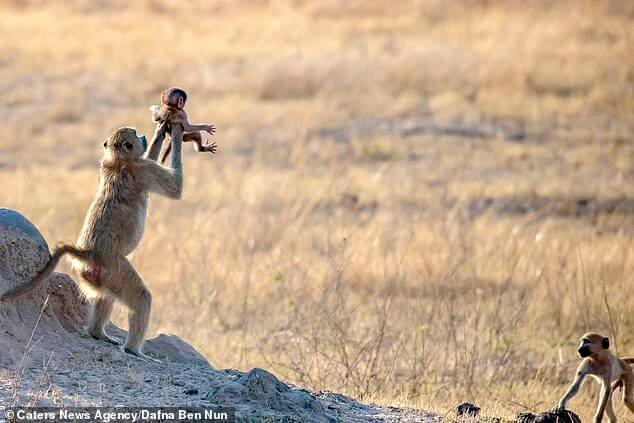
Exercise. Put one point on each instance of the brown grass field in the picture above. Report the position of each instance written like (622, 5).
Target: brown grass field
(415, 203)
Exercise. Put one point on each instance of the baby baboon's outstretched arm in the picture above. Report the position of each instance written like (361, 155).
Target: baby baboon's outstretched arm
(190, 127)
(182, 119)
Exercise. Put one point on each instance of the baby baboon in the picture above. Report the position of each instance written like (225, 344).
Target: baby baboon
(171, 111)
(113, 228)
(606, 368)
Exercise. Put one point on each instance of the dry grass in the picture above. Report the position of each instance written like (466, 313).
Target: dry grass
(325, 241)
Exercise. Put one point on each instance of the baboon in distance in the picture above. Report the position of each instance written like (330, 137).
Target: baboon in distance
(606, 368)
(113, 228)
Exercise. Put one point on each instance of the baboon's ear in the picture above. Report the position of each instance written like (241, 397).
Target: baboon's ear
(605, 343)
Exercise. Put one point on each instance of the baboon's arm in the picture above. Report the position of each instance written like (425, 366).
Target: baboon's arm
(156, 143)
(163, 180)
(573, 389)
(190, 127)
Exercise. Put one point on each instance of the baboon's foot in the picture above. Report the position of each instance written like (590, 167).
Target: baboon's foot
(209, 148)
(140, 356)
(103, 337)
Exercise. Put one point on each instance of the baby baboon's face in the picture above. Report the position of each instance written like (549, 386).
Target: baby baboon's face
(125, 144)
(592, 343)
(176, 99)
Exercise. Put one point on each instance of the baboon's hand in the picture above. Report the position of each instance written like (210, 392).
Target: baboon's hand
(211, 129)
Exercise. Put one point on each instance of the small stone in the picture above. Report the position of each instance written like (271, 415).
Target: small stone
(468, 409)
(191, 391)
(560, 416)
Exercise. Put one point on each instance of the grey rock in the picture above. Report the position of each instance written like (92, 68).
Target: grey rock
(165, 347)
(171, 347)
(13, 219)
(261, 387)
(23, 250)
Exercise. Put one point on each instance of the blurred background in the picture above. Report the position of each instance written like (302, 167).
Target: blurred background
(414, 202)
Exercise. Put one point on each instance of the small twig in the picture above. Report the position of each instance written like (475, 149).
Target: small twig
(18, 376)
(610, 317)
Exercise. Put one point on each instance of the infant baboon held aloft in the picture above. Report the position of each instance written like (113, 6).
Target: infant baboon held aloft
(172, 112)
(113, 228)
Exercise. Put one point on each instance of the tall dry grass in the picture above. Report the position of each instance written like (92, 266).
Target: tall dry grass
(325, 241)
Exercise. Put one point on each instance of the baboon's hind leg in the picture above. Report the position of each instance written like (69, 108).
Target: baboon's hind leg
(199, 144)
(132, 292)
(193, 137)
(609, 410)
(99, 316)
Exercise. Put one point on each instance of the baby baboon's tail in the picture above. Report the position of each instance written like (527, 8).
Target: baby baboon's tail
(46, 272)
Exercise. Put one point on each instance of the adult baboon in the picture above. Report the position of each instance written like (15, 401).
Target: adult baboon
(112, 229)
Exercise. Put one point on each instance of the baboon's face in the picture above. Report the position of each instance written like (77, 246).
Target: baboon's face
(592, 343)
(177, 100)
(124, 143)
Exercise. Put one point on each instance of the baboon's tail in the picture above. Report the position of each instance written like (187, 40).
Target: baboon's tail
(46, 272)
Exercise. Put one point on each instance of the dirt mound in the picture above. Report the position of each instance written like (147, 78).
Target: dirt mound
(47, 360)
